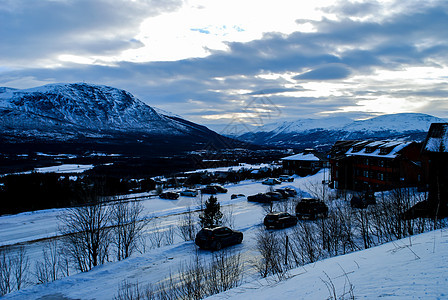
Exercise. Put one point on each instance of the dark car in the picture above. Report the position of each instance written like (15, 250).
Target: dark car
(286, 178)
(275, 196)
(189, 193)
(213, 189)
(271, 181)
(169, 195)
(219, 188)
(279, 220)
(235, 196)
(209, 190)
(217, 238)
(286, 192)
(311, 209)
(260, 197)
(362, 201)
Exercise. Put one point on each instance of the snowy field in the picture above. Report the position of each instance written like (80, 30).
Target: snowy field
(380, 271)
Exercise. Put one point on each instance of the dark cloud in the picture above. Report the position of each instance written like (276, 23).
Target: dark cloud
(337, 49)
(40, 29)
(354, 9)
(326, 72)
(269, 91)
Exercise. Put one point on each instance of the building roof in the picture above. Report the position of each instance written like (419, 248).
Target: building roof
(340, 147)
(386, 149)
(437, 138)
(303, 157)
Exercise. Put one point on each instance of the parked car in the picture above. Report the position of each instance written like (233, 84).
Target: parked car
(311, 209)
(286, 192)
(213, 189)
(271, 181)
(217, 238)
(279, 220)
(275, 196)
(189, 193)
(362, 201)
(219, 188)
(260, 197)
(209, 190)
(286, 178)
(169, 195)
(235, 196)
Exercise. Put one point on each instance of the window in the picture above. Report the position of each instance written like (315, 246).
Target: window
(380, 176)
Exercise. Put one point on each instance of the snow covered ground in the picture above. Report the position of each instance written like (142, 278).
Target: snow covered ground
(389, 270)
(411, 268)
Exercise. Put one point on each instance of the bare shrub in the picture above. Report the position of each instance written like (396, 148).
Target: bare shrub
(224, 272)
(52, 267)
(14, 268)
(347, 292)
(128, 226)
(87, 234)
(363, 221)
(187, 225)
(159, 236)
(304, 244)
(228, 219)
(195, 280)
(269, 244)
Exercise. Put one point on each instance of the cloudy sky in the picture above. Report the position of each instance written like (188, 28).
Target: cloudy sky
(214, 61)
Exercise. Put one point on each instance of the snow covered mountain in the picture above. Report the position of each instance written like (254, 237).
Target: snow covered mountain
(322, 133)
(82, 107)
(79, 112)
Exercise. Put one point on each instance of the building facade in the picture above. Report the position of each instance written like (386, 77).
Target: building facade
(376, 165)
(308, 162)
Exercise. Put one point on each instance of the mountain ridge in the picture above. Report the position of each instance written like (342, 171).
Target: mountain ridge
(90, 114)
(322, 133)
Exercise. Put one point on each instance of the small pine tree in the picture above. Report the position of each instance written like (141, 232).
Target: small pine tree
(211, 215)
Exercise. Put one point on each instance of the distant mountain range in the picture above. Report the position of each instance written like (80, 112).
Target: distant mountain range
(322, 133)
(94, 115)
(87, 116)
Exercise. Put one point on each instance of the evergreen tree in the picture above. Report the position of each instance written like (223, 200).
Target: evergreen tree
(212, 215)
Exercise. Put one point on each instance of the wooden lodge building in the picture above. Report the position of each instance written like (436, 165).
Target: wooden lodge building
(305, 163)
(435, 152)
(376, 165)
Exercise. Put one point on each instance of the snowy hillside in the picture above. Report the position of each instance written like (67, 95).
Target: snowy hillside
(396, 122)
(306, 124)
(413, 268)
(322, 133)
(81, 106)
(95, 118)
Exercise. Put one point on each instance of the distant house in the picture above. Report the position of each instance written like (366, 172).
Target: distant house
(375, 165)
(308, 162)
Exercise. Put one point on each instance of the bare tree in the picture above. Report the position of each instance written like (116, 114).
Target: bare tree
(304, 243)
(14, 267)
(128, 226)
(87, 234)
(272, 254)
(160, 236)
(363, 221)
(187, 227)
(52, 266)
(21, 266)
(6, 273)
(228, 217)
(224, 272)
